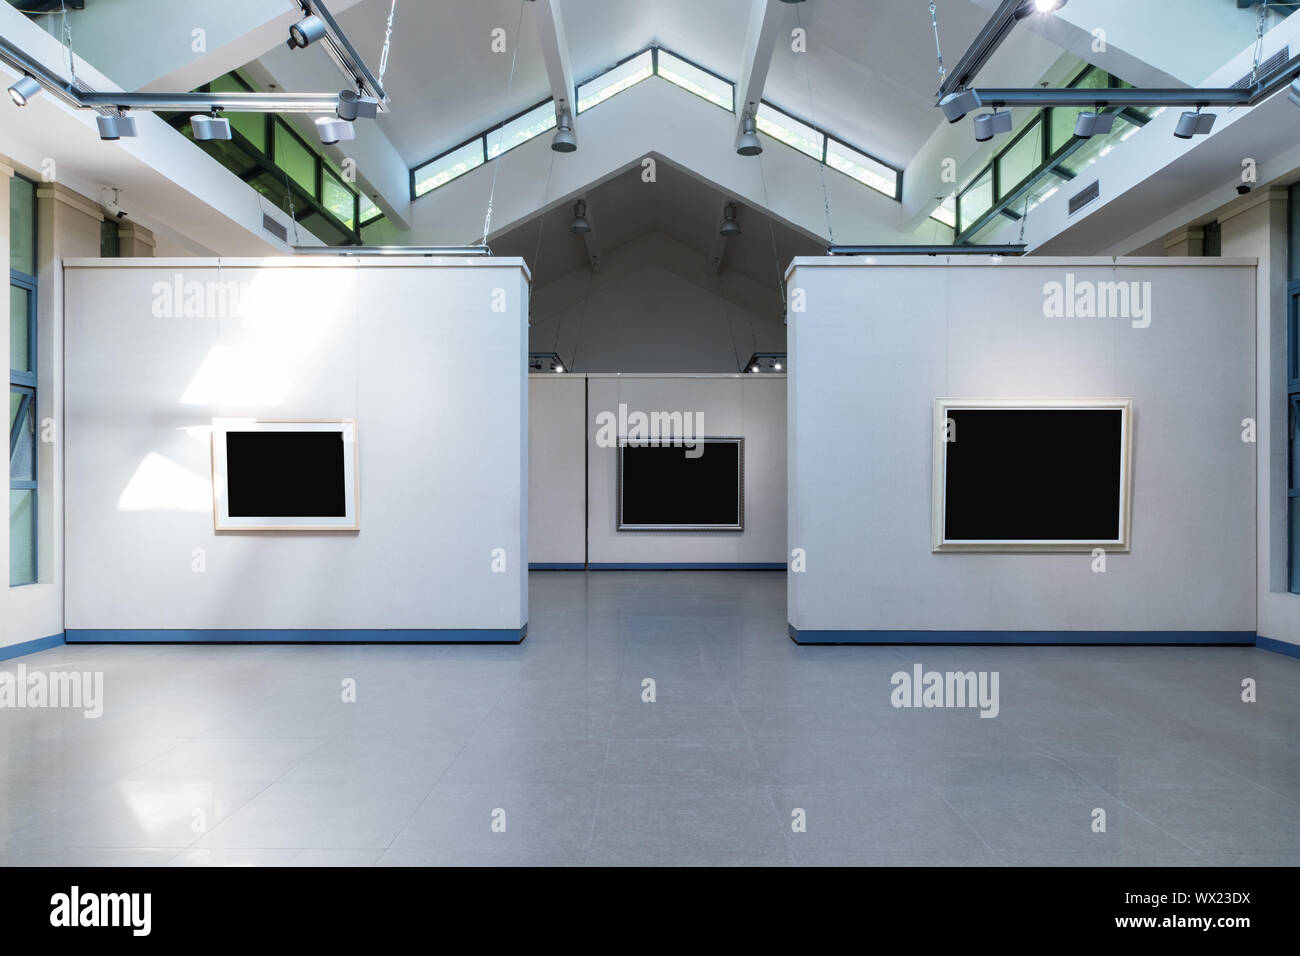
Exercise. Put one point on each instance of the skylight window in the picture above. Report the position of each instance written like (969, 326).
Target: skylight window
(787, 129)
(947, 212)
(521, 129)
(695, 80)
(447, 167)
(682, 74)
(369, 211)
(860, 166)
(612, 82)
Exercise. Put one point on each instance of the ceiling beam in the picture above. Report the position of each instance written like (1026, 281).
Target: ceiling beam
(760, 40)
(555, 52)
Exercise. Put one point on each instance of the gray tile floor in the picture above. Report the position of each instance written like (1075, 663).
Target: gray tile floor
(248, 755)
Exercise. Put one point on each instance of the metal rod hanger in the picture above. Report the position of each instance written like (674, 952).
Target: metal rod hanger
(205, 102)
(335, 43)
(1074, 96)
(957, 250)
(981, 49)
(1132, 96)
(345, 57)
(369, 251)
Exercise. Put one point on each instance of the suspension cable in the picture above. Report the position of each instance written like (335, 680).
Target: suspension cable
(388, 43)
(934, 22)
(496, 168)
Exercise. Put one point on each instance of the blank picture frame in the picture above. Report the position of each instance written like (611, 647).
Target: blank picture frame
(1032, 475)
(663, 486)
(285, 475)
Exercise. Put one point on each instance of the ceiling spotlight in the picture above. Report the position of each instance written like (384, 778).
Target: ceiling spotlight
(353, 105)
(754, 368)
(557, 367)
(24, 90)
(305, 32)
(750, 145)
(209, 127)
(115, 127)
(730, 227)
(333, 130)
(1195, 124)
(1030, 7)
(955, 106)
(1094, 124)
(777, 365)
(580, 225)
(564, 141)
(1293, 96)
(988, 125)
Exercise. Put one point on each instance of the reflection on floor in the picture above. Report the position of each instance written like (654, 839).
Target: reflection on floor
(546, 753)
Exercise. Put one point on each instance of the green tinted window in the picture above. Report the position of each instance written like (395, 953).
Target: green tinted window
(295, 158)
(22, 225)
(252, 126)
(339, 200)
(1020, 158)
(976, 200)
(22, 536)
(19, 332)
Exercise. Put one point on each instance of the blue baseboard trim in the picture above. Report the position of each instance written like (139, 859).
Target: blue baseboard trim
(557, 566)
(1236, 638)
(688, 566)
(1276, 646)
(503, 635)
(31, 647)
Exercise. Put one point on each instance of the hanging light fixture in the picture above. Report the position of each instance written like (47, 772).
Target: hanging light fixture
(580, 225)
(564, 140)
(730, 225)
(750, 144)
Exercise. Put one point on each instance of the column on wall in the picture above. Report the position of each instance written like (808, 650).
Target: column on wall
(1256, 227)
(135, 241)
(1188, 241)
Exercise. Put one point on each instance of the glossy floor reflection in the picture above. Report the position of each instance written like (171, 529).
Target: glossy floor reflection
(546, 752)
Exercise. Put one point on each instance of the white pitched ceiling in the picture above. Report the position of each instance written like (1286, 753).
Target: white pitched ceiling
(679, 205)
(870, 66)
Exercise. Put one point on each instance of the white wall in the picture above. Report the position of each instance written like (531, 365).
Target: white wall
(879, 343)
(557, 469)
(411, 348)
(752, 406)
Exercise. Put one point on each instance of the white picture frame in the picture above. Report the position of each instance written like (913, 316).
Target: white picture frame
(223, 521)
(942, 409)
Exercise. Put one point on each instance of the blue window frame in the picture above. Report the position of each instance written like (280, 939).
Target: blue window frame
(22, 384)
(1293, 433)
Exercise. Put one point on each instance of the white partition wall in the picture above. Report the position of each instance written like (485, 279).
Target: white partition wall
(876, 346)
(557, 471)
(742, 405)
(427, 355)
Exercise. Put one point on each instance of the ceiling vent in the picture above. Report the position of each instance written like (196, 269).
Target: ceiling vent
(275, 228)
(1266, 69)
(1085, 196)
